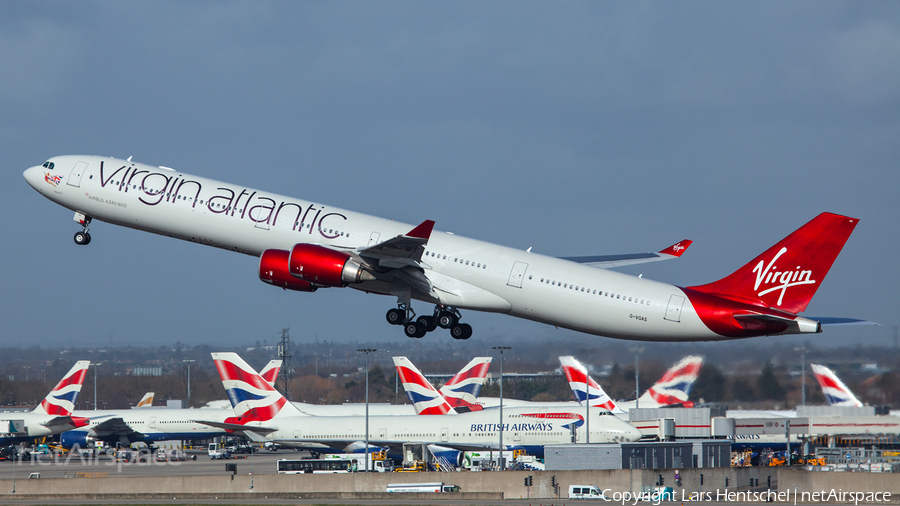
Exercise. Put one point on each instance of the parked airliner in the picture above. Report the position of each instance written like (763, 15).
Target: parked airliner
(306, 245)
(262, 411)
(53, 415)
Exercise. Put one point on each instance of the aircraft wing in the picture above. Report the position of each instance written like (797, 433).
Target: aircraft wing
(402, 250)
(114, 427)
(234, 427)
(611, 261)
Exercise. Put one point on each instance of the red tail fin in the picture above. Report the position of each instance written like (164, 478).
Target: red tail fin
(788, 274)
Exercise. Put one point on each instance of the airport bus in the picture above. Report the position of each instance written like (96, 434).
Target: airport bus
(316, 466)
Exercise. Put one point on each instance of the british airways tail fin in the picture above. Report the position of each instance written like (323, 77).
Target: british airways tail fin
(252, 397)
(577, 375)
(425, 398)
(146, 401)
(788, 274)
(675, 385)
(61, 400)
(462, 389)
(836, 392)
(270, 371)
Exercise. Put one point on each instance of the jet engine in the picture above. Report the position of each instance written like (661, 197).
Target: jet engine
(326, 267)
(71, 438)
(273, 269)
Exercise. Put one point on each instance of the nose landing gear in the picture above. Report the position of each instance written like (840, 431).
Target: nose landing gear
(83, 238)
(444, 316)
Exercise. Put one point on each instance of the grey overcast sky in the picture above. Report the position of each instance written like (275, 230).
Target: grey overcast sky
(574, 128)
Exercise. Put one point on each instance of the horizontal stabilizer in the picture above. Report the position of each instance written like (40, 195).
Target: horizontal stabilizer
(831, 321)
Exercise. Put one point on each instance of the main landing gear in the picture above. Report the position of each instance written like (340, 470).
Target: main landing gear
(444, 317)
(83, 238)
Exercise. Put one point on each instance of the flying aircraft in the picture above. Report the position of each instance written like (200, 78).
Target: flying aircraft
(263, 413)
(53, 415)
(304, 246)
(836, 392)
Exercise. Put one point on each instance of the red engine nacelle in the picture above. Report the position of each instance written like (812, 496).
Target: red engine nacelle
(323, 266)
(273, 269)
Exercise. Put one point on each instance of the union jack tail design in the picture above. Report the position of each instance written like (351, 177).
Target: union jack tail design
(61, 400)
(462, 390)
(146, 401)
(836, 392)
(425, 398)
(576, 374)
(675, 385)
(270, 371)
(251, 396)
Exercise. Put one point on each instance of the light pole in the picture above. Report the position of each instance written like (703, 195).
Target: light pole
(587, 409)
(96, 368)
(802, 350)
(501, 348)
(637, 350)
(189, 362)
(367, 351)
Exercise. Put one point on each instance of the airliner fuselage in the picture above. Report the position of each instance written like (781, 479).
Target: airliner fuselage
(447, 270)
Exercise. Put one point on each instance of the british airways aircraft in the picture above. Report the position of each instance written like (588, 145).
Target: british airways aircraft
(263, 413)
(304, 246)
(836, 392)
(672, 389)
(53, 415)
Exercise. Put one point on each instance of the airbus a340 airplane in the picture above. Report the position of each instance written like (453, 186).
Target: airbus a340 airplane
(305, 245)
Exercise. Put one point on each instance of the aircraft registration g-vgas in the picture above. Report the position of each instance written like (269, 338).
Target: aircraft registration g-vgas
(305, 246)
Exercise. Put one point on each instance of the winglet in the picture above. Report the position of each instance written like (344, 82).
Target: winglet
(423, 231)
(677, 249)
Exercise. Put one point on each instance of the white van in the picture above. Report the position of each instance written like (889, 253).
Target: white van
(586, 492)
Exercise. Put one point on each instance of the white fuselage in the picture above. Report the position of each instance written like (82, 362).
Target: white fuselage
(33, 425)
(465, 273)
(161, 424)
(523, 426)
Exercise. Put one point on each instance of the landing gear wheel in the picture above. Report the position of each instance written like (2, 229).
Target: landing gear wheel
(446, 320)
(415, 329)
(82, 238)
(461, 331)
(428, 321)
(394, 316)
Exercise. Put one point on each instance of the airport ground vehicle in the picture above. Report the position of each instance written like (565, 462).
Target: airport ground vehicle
(316, 466)
(378, 461)
(586, 492)
(170, 456)
(216, 453)
(437, 487)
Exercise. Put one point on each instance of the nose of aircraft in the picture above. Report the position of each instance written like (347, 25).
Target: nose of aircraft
(33, 176)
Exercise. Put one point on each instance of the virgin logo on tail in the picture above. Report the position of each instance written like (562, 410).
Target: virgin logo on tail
(788, 278)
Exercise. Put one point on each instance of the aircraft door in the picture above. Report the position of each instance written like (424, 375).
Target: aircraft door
(517, 273)
(382, 433)
(152, 423)
(296, 434)
(445, 434)
(673, 311)
(373, 239)
(75, 175)
(258, 215)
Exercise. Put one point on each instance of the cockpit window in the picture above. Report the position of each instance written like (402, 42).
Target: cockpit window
(48, 165)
